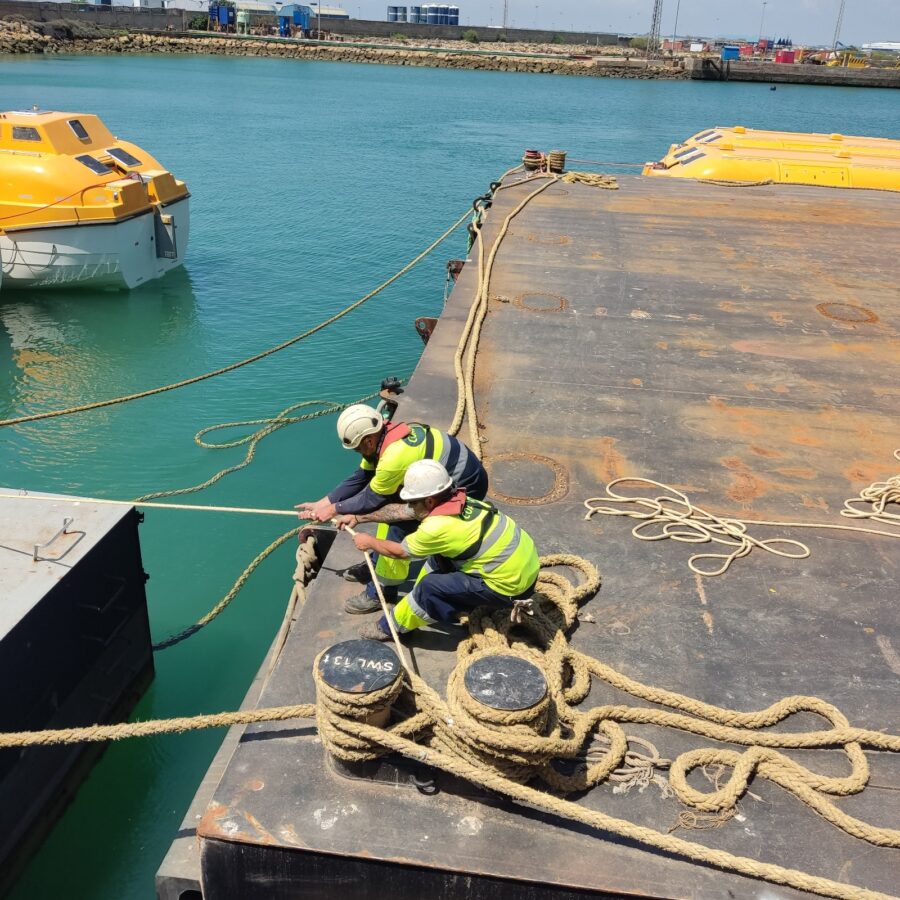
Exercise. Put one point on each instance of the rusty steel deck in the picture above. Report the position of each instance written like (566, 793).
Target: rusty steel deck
(740, 343)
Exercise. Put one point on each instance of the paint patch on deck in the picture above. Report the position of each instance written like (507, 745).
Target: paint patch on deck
(891, 657)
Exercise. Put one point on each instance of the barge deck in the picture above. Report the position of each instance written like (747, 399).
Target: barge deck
(738, 343)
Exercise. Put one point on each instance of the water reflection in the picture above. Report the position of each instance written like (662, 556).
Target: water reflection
(60, 347)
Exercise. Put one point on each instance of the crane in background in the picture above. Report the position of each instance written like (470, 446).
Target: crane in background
(655, 23)
(837, 27)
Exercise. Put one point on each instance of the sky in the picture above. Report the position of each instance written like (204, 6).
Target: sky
(805, 21)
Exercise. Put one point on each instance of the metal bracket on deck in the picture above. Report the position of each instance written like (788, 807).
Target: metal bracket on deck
(67, 521)
(390, 390)
(425, 326)
(454, 267)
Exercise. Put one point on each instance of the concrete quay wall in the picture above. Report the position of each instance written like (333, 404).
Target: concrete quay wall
(778, 73)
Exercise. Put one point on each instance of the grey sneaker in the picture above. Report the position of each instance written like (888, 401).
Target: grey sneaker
(374, 632)
(359, 573)
(361, 603)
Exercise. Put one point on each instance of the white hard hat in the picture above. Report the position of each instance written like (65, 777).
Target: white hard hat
(357, 421)
(425, 478)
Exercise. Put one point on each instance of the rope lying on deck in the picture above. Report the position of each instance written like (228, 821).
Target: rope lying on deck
(672, 515)
(471, 332)
(502, 752)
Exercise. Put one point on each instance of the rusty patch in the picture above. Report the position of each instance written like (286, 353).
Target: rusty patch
(745, 486)
(610, 462)
(547, 240)
(560, 479)
(798, 472)
(544, 303)
(847, 312)
(765, 451)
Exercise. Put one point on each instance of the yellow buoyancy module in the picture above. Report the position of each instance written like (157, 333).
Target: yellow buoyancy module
(79, 205)
(744, 155)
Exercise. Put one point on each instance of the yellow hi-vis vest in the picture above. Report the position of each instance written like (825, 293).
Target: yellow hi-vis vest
(422, 442)
(479, 540)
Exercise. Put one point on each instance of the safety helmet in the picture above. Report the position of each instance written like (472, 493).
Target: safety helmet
(357, 421)
(425, 478)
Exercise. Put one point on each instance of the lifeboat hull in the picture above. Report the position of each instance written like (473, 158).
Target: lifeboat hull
(123, 254)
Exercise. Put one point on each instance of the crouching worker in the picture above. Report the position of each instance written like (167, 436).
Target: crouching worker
(388, 449)
(476, 555)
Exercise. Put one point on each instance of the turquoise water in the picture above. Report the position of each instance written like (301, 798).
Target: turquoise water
(311, 183)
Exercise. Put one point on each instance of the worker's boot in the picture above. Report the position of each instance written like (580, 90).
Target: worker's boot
(374, 631)
(367, 601)
(359, 573)
(362, 603)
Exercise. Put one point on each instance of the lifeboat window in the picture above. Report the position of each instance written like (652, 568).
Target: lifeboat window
(79, 129)
(94, 164)
(123, 156)
(24, 133)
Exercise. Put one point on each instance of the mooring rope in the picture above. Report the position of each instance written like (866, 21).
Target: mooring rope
(467, 345)
(125, 398)
(269, 426)
(232, 593)
(673, 515)
(500, 751)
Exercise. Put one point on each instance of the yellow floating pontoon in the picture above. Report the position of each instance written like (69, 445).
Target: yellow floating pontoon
(744, 155)
(79, 205)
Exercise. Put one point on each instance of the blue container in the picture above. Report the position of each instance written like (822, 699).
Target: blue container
(731, 52)
(433, 14)
(454, 15)
(401, 13)
(443, 15)
(415, 14)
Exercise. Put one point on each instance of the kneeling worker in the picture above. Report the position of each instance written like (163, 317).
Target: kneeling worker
(388, 449)
(477, 555)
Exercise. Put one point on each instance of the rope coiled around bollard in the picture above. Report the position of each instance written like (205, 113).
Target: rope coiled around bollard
(505, 756)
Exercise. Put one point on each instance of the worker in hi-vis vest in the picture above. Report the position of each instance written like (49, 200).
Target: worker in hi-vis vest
(388, 449)
(476, 555)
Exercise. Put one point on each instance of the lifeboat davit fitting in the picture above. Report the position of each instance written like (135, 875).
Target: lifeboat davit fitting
(80, 207)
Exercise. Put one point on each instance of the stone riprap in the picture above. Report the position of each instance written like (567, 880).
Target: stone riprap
(23, 37)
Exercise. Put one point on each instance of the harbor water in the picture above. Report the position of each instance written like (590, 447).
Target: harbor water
(311, 183)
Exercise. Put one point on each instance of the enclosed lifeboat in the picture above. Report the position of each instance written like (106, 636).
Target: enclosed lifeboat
(78, 206)
(746, 156)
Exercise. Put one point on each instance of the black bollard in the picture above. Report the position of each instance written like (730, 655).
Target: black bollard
(505, 682)
(359, 667)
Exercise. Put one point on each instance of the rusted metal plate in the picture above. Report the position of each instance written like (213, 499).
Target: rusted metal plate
(738, 343)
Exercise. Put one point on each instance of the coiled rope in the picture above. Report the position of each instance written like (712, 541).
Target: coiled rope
(672, 515)
(500, 751)
(125, 398)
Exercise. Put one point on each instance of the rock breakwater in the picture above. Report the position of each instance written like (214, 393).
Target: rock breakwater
(23, 37)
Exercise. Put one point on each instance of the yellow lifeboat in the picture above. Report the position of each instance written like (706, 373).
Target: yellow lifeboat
(746, 156)
(79, 206)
